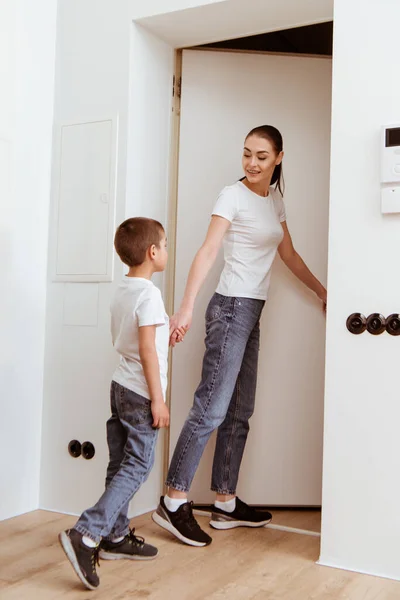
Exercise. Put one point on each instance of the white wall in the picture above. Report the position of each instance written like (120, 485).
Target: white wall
(361, 525)
(80, 359)
(27, 54)
(150, 8)
(214, 21)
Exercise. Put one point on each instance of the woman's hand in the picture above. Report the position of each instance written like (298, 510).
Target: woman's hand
(179, 324)
(324, 299)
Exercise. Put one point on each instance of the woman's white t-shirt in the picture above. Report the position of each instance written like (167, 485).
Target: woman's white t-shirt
(138, 302)
(252, 240)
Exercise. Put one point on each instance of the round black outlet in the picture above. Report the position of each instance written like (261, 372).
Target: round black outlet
(356, 323)
(376, 324)
(88, 450)
(74, 448)
(393, 324)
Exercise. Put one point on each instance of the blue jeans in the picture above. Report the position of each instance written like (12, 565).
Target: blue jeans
(131, 442)
(225, 397)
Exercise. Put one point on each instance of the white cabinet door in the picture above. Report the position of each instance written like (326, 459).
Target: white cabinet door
(86, 201)
(224, 95)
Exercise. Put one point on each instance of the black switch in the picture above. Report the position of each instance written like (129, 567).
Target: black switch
(88, 450)
(356, 323)
(393, 324)
(74, 448)
(376, 324)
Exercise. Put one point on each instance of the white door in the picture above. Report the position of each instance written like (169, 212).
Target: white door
(224, 95)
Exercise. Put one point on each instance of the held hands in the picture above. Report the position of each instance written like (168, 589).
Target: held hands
(178, 327)
(160, 413)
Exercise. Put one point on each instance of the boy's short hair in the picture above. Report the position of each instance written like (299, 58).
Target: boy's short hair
(134, 237)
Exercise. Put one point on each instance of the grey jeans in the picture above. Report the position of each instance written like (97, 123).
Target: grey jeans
(131, 442)
(225, 396)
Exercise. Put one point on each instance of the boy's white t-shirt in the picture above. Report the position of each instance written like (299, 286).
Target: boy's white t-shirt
(252, 240)
(138, 302)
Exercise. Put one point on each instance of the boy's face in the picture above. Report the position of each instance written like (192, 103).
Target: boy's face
(160, 255)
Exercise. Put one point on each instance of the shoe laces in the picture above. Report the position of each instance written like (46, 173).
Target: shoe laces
(189, 518)
(95, 557)
(134, 539)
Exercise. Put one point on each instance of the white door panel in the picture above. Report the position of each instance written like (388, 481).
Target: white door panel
(224, 95)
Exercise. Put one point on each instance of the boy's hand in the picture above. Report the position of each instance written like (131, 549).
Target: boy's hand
(178, 335)
(160, 413)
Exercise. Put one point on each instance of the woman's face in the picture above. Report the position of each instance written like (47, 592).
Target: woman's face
(259, 159)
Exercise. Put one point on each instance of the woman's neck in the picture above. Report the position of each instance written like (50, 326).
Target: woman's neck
(261, 189)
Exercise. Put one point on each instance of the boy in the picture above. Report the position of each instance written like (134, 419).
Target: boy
(140, 334)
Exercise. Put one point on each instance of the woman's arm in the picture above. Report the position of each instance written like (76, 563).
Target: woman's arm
(199, 270)
(298, 267)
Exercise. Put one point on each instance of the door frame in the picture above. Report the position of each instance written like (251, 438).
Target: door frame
(172, 228)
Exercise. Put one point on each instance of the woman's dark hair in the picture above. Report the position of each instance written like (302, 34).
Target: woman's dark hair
(274, 136)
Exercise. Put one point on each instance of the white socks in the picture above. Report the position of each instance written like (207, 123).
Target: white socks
(88, 542)
(173, 504)
(91, 544)
(228, 506)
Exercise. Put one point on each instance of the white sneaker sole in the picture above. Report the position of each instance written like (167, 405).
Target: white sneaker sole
(115, 556)
(169, 527)
(233, 524)
(70, 554)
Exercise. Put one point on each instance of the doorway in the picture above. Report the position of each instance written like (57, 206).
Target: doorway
(223, 96)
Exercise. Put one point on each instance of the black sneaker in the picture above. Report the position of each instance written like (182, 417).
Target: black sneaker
(82, 558)
(131, 547)
(181, 524)
(242, 516)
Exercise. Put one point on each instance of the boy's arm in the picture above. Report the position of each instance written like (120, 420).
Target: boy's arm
(151, 369)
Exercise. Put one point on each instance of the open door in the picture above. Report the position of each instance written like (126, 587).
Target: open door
(224, 95)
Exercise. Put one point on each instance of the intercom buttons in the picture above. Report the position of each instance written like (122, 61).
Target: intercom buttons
(356, 323)
(376, 324)
(393, 324)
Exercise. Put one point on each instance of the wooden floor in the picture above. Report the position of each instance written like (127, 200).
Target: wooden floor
(241, 564)
(298, 519)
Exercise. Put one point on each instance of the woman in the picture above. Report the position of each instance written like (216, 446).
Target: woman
(249, 218)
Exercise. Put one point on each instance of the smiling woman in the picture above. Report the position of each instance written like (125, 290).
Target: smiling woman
(249, 219)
